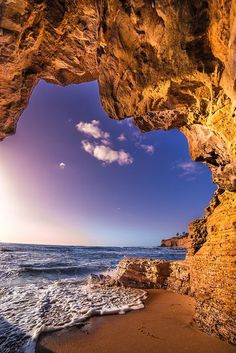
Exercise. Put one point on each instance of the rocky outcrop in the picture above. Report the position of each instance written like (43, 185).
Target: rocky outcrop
(182, 241)
(152, 273)
(143, 273)
(179, 278)
(168, 64)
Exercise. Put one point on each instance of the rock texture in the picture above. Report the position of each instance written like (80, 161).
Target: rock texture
(179, 278)
(197, 235)
(51, 40)
(151, 273)
(182, 241)
(168, 64)
(143, 273)
(213, 271)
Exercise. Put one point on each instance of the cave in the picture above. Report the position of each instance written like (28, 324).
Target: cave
(168, 65)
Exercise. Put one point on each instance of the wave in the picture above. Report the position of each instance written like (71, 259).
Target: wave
(62, 269)
(28, 311)
(6, 250)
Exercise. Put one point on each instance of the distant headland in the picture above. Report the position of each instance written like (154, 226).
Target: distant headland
(179, 240)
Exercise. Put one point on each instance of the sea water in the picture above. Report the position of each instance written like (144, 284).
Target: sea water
(44, 288)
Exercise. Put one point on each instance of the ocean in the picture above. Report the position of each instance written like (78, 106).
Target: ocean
(44, 288)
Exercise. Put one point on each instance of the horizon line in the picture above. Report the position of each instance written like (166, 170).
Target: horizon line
(85, 246)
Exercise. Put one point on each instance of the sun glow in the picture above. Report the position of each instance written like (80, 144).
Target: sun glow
(20, 221)
(9, 208)
(7, 204)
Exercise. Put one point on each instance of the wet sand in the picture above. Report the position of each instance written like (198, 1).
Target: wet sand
(164, 326)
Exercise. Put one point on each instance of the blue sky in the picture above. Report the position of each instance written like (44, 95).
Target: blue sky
(72, 175)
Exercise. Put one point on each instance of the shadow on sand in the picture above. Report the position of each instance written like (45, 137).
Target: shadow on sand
(12, 339)
(41, 349)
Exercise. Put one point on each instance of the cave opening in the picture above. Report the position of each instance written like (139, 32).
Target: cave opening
(90, 180)
(171, 65)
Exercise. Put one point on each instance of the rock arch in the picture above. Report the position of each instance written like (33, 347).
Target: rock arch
(168, 64)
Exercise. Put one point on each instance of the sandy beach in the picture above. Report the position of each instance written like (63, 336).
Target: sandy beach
(164, 326)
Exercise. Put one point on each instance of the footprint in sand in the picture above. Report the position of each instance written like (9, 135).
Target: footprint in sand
(143, 330)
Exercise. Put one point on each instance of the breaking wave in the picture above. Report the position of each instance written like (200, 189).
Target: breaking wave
(45, 288)
(61, 269)
(28, 311)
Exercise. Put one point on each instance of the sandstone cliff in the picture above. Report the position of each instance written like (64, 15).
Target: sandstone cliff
(168, 64)
(182, 241)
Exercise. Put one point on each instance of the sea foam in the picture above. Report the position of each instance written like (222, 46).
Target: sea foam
(45, 288)
(27, 311)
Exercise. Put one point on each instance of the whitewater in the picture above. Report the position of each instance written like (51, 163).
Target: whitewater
(45, 288)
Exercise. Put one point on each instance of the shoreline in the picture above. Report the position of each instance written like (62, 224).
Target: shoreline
(165, 325)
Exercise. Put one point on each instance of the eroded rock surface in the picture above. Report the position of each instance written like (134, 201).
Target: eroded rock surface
(51, 40)
(213, 271)
(143, 273)
(168, 64)
(152, 273)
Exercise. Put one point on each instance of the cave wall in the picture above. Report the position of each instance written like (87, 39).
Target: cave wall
(213, 271)
(167, 64)
(52, 40)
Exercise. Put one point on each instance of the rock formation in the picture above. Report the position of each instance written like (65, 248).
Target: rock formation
(181, 241)
(168, 64)
(143, 273)
(152, 273)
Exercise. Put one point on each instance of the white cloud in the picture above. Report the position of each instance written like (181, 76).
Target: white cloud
(88, 146)
(106, 142)
(101, 149)
(106, 154)
(188, 168)
(148, 148)
(137, 135)
(121, 137)
(129, 122)
(93, 129)
(62, 165)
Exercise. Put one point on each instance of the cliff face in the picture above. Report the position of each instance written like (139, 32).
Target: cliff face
(182, 241)
(213, 271)
(168, 64)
